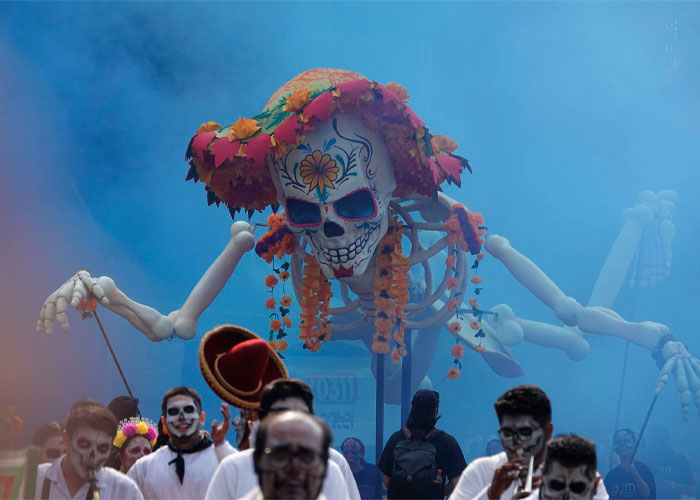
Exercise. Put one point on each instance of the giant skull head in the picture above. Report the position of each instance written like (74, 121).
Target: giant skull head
(335, 188)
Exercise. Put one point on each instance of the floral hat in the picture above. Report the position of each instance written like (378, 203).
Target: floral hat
(232, 161)
(136, 426)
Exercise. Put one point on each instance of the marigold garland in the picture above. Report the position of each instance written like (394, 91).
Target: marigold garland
(278, 241)
(315, 326)
(279, 315)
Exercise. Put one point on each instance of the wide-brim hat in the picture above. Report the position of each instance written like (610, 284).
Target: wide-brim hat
(237, 365)
(232, 161)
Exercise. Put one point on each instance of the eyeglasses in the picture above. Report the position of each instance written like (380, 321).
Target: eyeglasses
(523, 434)
(282, 455)
(576, 487)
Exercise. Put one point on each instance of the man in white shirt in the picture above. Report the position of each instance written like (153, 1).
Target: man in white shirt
(290, 457)
(80, 473)
(184, 467)
(525, 417)
(236, 475)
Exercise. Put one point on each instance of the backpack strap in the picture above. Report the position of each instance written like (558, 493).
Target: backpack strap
(432, 434)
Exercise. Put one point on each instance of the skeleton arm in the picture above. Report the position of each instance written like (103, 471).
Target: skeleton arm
(152, 323)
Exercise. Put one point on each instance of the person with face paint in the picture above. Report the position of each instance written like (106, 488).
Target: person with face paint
(49, 439)
(80, 473)
(184, 467)
(236, 476)
(365, 474)
(629, 479)
(569, 470)
(290, 457)
(525, 417)
(135, 439)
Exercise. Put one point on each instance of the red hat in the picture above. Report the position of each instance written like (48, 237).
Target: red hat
(237, 364)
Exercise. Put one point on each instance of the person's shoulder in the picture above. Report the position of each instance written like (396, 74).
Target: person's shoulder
(147, 460)
(237, 459)
(121, 481)
(444, 437)
(491, 461)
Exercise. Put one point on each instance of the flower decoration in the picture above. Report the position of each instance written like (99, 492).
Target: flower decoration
(279, 312)
(208, 127)
(286, 301)
(270, 303)
(452, 373)
(457, 351)
(397, 89)
(284, 275)
(318, 170)
(87, 306)
(297, 100)
(271, 281)
(315, 326)
(455, 327)
(136, 426)
(278, 241)
(243, 129)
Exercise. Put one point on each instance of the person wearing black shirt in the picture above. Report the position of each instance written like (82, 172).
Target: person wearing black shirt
(420, 426)
(629, 480)
(674, 477)
(365, 474)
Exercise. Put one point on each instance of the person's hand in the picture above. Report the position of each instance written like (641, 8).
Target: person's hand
(218, 432)
(504, 475)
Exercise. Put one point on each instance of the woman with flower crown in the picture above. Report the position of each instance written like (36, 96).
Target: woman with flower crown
(135, 439)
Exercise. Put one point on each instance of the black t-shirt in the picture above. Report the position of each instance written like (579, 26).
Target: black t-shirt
(672, 470)
(448, 456)
(366, 481)
(620, 483)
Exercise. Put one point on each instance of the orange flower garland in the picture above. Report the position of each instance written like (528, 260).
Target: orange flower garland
(279, 315)
(316, 293)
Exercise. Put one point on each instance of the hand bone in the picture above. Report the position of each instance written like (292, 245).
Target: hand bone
(685, 370)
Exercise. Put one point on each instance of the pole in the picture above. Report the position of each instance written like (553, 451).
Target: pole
(379, 423)
(406, 378)
(114, 356)
(644, 426)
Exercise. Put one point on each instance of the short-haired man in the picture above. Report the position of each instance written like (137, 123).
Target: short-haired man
(236, 474)
(569, 470)
(49, 439)
(290, 457)
(184, 467)
(80, 473)
(630, 479)
(525, 417)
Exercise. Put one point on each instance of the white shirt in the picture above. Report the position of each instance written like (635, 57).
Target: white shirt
(111, 484)
(235, 478)
(256, 494)
(158, 480)
(476, 479)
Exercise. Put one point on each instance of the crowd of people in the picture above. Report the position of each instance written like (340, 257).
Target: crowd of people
(115, 453)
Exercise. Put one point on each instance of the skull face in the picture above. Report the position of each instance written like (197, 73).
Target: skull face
(521, 436)
(88, 450)
(336, 188)
(182, 417)
(560, 482)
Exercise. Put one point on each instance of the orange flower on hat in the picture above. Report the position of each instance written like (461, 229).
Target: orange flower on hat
(270, 303)
(275, 325)
(457, 351)
(286, 301)
(398, 90)
(455, 328)
(440, 142)
(271, 281)
(318, 170)
(243, 128)
(297, 100)
(452, 373)
(208, 127)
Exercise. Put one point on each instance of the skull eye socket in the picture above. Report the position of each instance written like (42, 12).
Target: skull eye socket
(557, 485)
(358, 205)
(577, 487)
(303, 213)
(173, 412)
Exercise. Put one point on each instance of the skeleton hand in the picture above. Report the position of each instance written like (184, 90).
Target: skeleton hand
(686, 372)
(78, 287)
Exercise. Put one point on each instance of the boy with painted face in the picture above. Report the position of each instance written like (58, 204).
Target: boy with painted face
(525, 417)
(184, 467)
(90, 429)
(49, 439)
(629, 480)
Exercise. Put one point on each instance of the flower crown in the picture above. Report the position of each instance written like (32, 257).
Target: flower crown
(136, 426)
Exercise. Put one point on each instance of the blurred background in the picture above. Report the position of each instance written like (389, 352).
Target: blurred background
(565, 110)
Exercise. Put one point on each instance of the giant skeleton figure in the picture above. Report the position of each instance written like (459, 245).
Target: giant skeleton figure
(341, 156)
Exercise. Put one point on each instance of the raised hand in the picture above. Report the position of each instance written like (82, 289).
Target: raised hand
(218, 432)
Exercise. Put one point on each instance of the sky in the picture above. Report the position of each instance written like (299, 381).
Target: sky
(566, 110)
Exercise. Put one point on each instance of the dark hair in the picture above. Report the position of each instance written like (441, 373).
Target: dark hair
(284, 388)
(87, 412)
(571, 451)
(45, 431)
(181, 390)
(261, 435)
(124, 407)
(422, 419)
(525, 400)
(359, 442)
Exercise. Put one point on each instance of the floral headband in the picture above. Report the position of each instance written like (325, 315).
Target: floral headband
(136, 426)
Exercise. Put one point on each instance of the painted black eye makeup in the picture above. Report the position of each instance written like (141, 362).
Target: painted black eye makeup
(83, 443)
(173, 411)
(189, 409)
(557, 485)
(577, 487)
(103, 448)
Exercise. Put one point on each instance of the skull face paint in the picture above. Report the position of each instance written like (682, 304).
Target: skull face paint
(567, 483)
(88, 450)
(182, 417)
(137, 447)
(52, 448)
(521, 436)
(336, 187)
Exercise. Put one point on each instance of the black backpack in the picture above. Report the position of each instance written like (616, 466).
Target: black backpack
(415, 469)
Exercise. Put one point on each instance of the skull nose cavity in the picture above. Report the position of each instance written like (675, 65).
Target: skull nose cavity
(331, 229)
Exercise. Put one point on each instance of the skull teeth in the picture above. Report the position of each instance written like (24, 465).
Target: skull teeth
(346, 254)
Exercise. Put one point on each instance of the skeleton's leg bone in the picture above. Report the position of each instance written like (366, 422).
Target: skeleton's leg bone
(612, 274)
(555, 337)
(601, 321)
(505, 328)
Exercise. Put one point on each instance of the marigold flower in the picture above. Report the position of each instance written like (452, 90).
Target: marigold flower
(450, 261)
(243, 129)
(297, 100)
(275, 325)
(480, 256)
(473, 302)
(286, 301)
(452, 373)
(398, 90)
(476, 280)
(270, 303)
(142, 427)
(287, 321)
(272, 344)
(395, 356)
(455, 328)
(474, 325)
(271, 281)
(208, 127)
(452, 305)
(284, 275)
(380, 347)
(440, 142)
(479, 348)
(119, 439)
(452, 283)
(457, 351)
(282, 345)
